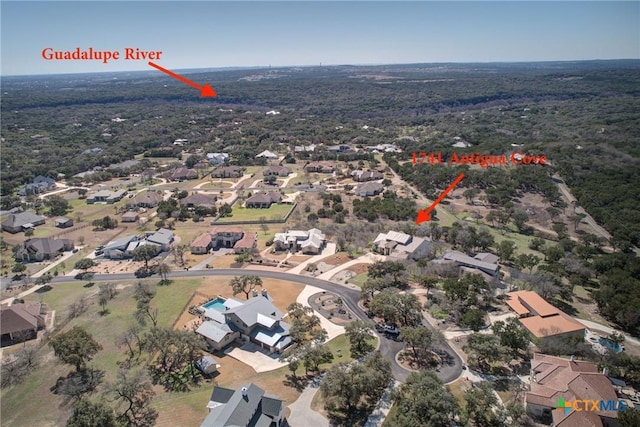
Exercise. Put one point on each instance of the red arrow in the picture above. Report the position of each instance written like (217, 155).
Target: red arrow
(424, 215)
(205, 91)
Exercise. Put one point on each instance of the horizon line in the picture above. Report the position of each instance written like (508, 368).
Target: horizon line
(320, 65)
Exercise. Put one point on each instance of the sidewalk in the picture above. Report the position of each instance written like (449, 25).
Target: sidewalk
(383, 407)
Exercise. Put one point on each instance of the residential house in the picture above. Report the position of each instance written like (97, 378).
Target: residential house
(369, 189)
(276, 170)
(318, 167)
(149, 199)
(263, 200)
(401, 245)
(182, 174)
(249, 406)
(63, 222)
(267, 155)
(130, 216)
(225, 237)
(304, 148)
(556, 379)
(39, 249)
(201, 244)
(22, 221)
(218, 158)
(248, 243)
(162, 238)
(256, 320)
(541, 318)
(40, 184)
(106, 196)
(309, 242)
(20, 322)
(384, 148)
(363, 176)
(228, 172)
(127, 164)
(341, 149)
(116, 248)
(205, 200)
(483, 263)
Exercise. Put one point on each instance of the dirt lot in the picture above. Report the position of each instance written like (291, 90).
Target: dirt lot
(337, 259)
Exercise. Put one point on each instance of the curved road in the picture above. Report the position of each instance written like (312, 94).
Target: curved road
(388, 348)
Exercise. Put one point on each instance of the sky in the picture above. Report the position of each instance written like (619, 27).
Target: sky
(206, 34)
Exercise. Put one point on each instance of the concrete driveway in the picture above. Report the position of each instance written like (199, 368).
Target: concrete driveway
(251, 354)
(301, 413)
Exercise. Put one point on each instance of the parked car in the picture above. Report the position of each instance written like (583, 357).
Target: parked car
(99, 252)
(389, 329)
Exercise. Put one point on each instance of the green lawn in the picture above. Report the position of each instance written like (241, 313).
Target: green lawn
(244, 214)
(360, 279)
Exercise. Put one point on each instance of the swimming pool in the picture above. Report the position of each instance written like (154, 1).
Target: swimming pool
(216, 304)
(611, 345)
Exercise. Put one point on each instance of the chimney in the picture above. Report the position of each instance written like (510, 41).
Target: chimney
(264, 293)
(573, 358)
(255, 293)
(244, 392)
(605, 372)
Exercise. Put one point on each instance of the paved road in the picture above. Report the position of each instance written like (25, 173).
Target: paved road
(388, 348)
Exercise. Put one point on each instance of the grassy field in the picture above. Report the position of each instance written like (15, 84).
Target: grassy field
(52, 409)
(359, 280)
(243, 214)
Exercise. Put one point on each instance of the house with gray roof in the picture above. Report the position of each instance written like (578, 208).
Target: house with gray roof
(248, 406)
(22, 221)
(20, 322)
(106, 196)
(39, 249)
(40, 184)
(484, 263)
(228, 172)
(263, 200)
(276, 170)
(205, 200)
(162, 238)
(149, 199)
(256, 320)
(309, 242)
(402, 246)
(369, 189)
(217, 158)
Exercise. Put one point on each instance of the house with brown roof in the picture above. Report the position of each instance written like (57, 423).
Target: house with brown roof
(318, 167)
(20, 322)
(228, 172)
(225, 237)
(39, 249)
(541, 318)
(263, 200)
(276, 170)
(201, 244)
(247, 244)
(149, 199)
(204, 200)
(106, 196)
(555, 379)
(182, 174)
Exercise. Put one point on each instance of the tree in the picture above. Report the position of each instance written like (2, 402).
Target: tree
(482, 407)
(18, 268)
(84, 264)
(470, 194)
(473, 319)
(245, 284)
(75, 347)
(403, 309)
(143, 294)
(107, 292)
(57, 205)
(178, 253)
(133, 392)
(420, 340)
(506, 249)
(519, 219)
(145, 253)
(484, 349)
(243, 257)
(164, 270)
(424, 401)
(175, 353)
(225, 210)
(527, 261)
(25, 362)
(512, 336)
(629, 418)
(349, 387)
(359, 335)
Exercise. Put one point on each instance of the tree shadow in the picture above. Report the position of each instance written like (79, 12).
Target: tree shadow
(88, 285)
(566, 307)
(298, 383)
(45, 288)
(354, 418)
